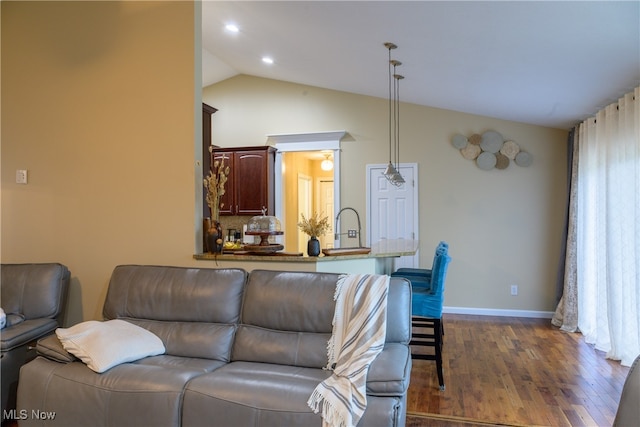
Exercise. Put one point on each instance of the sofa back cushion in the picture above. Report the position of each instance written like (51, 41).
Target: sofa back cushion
(287, 317)
(33, 291)
(194, 311)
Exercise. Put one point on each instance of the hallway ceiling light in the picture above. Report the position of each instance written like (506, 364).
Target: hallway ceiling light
(267, 60)
(391, 172)
(326, 164)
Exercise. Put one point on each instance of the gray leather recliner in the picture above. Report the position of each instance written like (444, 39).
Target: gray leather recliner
(628, 413)
(33, 297)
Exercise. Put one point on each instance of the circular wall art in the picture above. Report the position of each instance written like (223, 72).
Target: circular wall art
(510, 149)
(486, 161)
(524, 159)
(459, 141)
(475, 139)
(490, 150)
(502, 161)
(470, 152)
(491, 141)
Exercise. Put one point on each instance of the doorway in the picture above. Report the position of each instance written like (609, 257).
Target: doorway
(304, 189)
(291, 148)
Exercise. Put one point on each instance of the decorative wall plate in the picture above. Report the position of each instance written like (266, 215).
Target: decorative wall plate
(502, 161)
(470, 152)
(475, 139)
(510, 149)
(486, 161)
(524, 159)
(491, 141)
(459, 141)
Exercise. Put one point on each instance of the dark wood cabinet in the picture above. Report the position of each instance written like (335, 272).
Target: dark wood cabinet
(250, 185)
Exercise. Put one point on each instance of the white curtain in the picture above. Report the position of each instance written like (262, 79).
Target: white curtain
(608, 229)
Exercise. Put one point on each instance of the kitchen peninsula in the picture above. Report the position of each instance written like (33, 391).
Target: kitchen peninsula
(378, 261)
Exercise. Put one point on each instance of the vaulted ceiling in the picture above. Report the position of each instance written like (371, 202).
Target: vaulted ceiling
(547, 63)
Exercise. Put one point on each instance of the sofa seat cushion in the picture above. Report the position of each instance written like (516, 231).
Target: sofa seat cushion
(256, 394)
(129, 394)
(24, 332)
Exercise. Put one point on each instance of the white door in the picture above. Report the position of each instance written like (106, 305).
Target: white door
(325, 208)
(392, 212)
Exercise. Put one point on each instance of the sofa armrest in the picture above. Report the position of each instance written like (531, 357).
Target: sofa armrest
(51, 348)
(390, 371)
(18, 335)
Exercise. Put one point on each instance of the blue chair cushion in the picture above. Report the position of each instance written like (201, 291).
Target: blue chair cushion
(417, 280)
(414, 271)
(425, 304)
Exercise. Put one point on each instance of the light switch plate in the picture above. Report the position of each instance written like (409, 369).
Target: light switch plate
(21, 176)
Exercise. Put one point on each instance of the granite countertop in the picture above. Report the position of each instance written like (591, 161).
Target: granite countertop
(383, 249)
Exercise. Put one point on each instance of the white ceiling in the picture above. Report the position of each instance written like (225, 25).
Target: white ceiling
(547, 63)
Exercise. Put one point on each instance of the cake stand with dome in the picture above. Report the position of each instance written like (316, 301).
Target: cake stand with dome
(264, 226)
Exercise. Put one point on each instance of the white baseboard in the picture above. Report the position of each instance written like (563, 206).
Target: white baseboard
(498, 312)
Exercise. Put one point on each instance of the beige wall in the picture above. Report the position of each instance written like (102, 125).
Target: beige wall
(503, 227)
(98, 102)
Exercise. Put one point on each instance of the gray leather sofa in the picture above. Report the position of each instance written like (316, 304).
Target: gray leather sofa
(628, 413)
(33, 297)
(241, 350)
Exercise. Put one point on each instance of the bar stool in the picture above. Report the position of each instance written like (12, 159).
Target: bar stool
(426, 311)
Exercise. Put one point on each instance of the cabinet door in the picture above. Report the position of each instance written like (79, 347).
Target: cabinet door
(227, 200)
(251, 182)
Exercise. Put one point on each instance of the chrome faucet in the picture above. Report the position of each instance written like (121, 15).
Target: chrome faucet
(337, 234)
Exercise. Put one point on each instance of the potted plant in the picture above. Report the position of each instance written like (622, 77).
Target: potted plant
(314, 226)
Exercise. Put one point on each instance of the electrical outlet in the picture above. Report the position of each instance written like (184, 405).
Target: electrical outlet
(21, 176)
(514, 290)
(352, 233)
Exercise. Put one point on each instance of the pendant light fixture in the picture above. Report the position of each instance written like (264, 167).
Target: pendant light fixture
(326, 164)
(391, 172)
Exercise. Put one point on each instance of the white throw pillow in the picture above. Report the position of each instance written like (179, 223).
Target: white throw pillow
(103, 345)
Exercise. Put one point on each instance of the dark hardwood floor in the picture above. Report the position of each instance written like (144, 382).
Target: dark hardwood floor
(514, 372)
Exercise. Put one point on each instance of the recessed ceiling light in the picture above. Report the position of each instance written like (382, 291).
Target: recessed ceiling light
(267, 60)
(232, 28)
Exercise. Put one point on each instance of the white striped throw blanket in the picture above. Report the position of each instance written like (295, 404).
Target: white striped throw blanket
(359, 330)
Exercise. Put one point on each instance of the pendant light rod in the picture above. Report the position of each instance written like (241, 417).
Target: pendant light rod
(392, 171)
(390, 46)
(396, 107)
